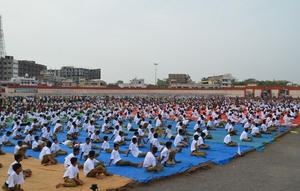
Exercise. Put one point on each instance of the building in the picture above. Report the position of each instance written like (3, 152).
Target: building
(8, 68)
(135, 83)
(178, 78)
(220, 80)
(91, 83)
(25, 81)
(30, 67)
(69, 72)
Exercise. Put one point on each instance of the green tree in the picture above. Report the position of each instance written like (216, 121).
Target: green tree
(188, 78)
(163, 83)
(112, 85)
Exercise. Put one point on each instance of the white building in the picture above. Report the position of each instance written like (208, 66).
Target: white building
(135, 83)
(25, 81)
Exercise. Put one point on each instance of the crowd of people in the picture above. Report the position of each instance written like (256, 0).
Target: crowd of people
(35, 122)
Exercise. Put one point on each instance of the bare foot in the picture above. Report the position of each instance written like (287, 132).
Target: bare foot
(58, 185)
(99, 177)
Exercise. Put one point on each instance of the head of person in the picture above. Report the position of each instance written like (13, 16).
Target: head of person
(20, 143)
(155, 135)
(169, 126)
(76, 151)
(134, 140)
(17, 167)
(18, 157)
(105, 138)
(87, 140)
(196, 137)
(116, 146)
(55, 141)
(154, 150)
(246, 129)
(168, 144)
(36, 138)
(92, 154)
(49, 144)
(8, 133)
(73, 161)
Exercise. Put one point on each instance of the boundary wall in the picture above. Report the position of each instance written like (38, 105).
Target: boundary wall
(256, 91)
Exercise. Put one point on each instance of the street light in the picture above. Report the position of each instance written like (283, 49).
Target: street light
(155, 65)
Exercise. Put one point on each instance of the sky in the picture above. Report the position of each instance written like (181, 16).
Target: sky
(246, 38)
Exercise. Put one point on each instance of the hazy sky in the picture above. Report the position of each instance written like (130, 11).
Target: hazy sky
(247, 38)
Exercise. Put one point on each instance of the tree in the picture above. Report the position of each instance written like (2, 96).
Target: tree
(188, 78)
(163, 83)
(112, 85)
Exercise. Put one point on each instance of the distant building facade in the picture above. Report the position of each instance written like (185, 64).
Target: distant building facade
(91, 83)
(8, 68)
(29, 67)
(220, 80)
(178, 78)
(135, 83)
(75, 74)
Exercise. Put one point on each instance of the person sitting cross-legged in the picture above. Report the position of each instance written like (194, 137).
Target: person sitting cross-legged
(244, 136)
(228, 141)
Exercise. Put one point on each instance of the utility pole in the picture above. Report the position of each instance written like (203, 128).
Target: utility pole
(155, 65)
(2, 43)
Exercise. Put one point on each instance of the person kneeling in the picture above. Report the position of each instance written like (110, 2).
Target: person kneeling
(71, 176)
(228, 141)
(244, 136)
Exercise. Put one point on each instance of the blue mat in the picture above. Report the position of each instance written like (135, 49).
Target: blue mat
(219, 153)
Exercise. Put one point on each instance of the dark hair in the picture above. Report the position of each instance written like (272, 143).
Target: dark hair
(105, 137)
(49, 143)
(169, 143)
(75, 150)
(16, 166)
(91, 153)
(154, 149)
(196, 137)
(133, 139)
(73, 160)
(18, 157)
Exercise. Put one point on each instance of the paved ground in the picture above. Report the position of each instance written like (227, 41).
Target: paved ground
(276, 169)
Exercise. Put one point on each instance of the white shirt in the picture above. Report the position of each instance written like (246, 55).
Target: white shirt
(156, 143)
(71, 171)
(149, 160)
(29, 138)
(169, 133)
(86, 148)
(194, 145)
(165, 153)
(14, 179)
(227, 139)
(67, 161)
(244, 135)
(177, 139)
(105, 145)
(45, 151)
(89, 165)
(115, 156)
(134, 149)
(55, 147)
